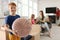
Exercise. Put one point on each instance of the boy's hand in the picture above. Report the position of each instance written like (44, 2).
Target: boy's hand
(15, 33)
(4, 28)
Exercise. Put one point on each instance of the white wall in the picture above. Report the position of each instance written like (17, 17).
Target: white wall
(48, 3)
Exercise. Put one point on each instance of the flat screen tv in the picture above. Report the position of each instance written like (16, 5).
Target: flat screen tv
(51, 10)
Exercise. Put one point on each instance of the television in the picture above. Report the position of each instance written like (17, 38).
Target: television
(51, 10)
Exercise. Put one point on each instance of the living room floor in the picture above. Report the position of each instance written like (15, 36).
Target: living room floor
(55, 33)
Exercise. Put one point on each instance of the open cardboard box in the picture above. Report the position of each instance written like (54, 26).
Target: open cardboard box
(35, 32)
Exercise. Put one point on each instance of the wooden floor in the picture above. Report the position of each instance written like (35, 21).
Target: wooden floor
(55, 33)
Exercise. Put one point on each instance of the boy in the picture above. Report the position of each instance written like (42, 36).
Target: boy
(10, 19)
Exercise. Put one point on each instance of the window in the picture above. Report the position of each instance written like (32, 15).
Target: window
(24, 10)
(4, 7)
(30, 3)
(19, 12)
(35, 5)
(27, 7)
(30, 12)
(24, 7)
(24, 2)
(0, 6)
(35, 12)
(19, 9)
(19, 5)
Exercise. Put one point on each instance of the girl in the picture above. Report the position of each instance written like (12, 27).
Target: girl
(32, 19)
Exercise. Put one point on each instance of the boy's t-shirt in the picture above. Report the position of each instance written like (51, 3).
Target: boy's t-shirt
(10, 19)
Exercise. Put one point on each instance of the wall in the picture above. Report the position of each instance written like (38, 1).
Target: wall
(48, 3)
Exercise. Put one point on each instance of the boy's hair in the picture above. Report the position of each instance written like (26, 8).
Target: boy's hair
(12, 3)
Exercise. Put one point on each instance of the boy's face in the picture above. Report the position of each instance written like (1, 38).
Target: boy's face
(12, 9)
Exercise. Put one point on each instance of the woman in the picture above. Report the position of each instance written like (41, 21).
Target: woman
(42, 21)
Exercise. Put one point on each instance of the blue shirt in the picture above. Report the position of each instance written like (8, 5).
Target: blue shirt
(10, 19)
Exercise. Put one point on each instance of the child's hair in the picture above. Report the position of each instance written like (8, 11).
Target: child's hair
(12, 3)
(32, 16)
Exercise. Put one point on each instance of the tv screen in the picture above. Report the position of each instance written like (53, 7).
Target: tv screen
(51, 10)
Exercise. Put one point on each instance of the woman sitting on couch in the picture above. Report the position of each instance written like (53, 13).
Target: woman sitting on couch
(42, 20)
